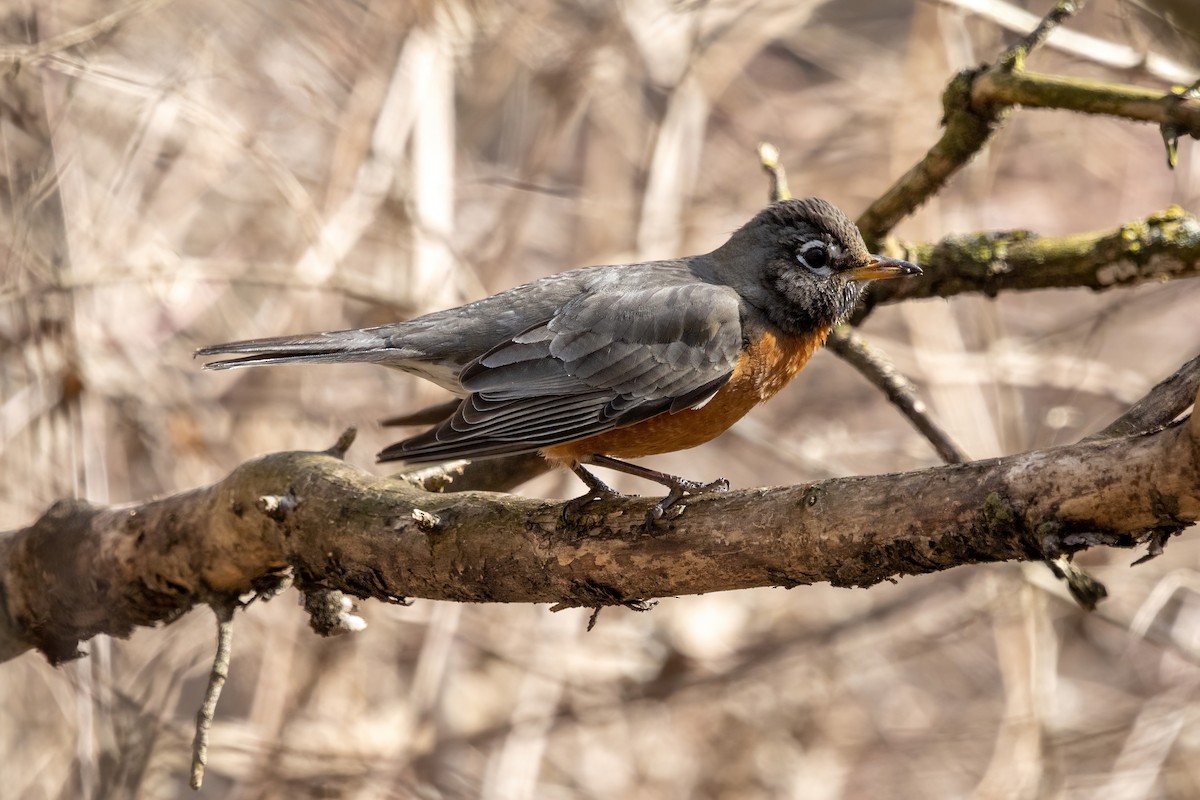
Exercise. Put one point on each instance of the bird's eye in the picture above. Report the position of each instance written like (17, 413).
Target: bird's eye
(815, 256)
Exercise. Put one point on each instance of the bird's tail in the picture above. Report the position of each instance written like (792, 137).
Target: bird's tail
(335, 347)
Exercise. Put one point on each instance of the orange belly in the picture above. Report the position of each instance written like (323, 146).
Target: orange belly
(762, 370)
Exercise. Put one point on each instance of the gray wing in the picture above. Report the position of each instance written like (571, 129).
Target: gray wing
(612, 356)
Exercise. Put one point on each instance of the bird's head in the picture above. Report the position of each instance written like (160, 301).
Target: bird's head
(803, 263)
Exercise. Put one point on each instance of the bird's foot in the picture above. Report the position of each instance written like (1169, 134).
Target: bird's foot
(597, 490)
(670, 507)
(573, 509)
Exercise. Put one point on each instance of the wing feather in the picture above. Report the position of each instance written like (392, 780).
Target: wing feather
(613, 355)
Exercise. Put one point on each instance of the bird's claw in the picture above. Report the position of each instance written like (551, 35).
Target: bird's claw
(573, 509)
(670, 507)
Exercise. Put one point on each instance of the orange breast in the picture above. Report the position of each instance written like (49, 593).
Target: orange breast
(762, 370)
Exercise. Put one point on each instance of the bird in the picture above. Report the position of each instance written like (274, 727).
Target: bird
(597, 365)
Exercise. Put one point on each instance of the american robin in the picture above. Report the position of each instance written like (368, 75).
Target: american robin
(611, 362)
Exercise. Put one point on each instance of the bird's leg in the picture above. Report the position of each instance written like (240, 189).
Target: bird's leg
(597, 490)
(597, 486)
(676, 487)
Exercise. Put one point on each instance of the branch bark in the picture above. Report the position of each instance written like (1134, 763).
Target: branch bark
(1160, 247)
(82, 570)
(1012, 87)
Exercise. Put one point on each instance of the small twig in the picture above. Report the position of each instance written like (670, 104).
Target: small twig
(1160, 406)
(1062, 11)
(876, 368)
(1083, 588)
(1171, 132)
(768, 156)
(223, 609)
(342, 445)
(1077, 44)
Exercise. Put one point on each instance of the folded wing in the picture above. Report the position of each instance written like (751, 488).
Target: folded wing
(612, 356)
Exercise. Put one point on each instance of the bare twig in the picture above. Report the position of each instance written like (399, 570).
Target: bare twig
(223, 609)
(1060, 13)
(768, 156)
(1171, 131)
(1161, 405)
(876, 368)
(1076, 43)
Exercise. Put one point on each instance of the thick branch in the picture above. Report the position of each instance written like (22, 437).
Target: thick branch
(999, 87)
(83, 570)
(1162, 246)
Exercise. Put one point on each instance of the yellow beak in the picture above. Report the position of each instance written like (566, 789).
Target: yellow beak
(880, 268)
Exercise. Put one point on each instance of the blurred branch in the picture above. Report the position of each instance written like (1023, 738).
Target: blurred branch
(227, 274)
(82, 570)
(976, 103)
(1076, 43)
(853, 349)
(25, 53)
(777, 187)
(1165, 402)
(1162, 246)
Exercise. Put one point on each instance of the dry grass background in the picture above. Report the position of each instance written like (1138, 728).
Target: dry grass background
(202, 171)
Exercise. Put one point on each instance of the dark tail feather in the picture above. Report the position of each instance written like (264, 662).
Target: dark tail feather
(471, 450)
(426, 416)
(335, 347)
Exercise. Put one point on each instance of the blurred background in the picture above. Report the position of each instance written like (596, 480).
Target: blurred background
(183, 173)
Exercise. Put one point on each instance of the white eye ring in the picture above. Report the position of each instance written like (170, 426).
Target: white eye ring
(815, 257)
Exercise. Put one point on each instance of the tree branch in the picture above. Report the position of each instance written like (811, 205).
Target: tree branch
(1162, 246)
(82, 570)
(1166, 401)
(976, 103)
(1015, 87)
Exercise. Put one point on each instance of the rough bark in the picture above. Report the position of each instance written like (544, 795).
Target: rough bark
(81, 569)
(1161, 247)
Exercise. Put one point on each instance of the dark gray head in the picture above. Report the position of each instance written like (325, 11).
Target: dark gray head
(803, 263)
